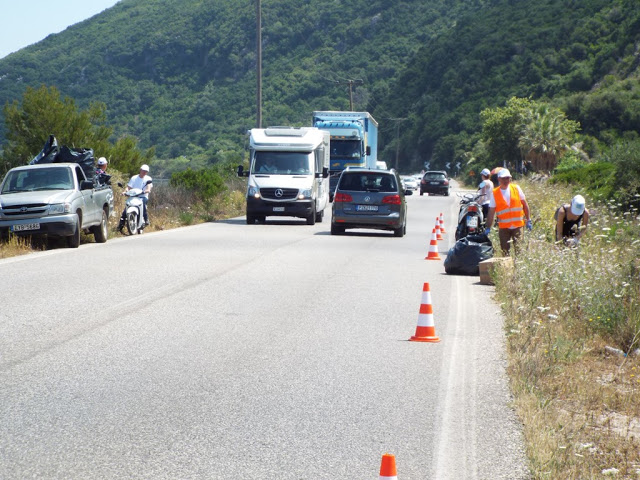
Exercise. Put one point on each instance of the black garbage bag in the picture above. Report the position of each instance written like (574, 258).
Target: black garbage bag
(81, 156)
(48, 153)
(463, 258)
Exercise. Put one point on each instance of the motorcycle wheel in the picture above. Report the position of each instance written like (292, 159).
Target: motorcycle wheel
(132, 223)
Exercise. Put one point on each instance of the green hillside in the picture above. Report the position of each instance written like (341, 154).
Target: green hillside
(180, 74)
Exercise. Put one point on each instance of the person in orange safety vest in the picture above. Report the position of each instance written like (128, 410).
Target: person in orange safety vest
(510, 206)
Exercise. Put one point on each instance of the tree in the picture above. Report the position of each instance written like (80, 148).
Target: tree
(546, 134)
(43, 112)
(501, 130)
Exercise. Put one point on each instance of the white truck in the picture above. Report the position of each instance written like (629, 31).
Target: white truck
(288, 173)
(56, 200)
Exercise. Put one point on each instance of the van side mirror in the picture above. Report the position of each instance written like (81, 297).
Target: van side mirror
(325, 172)
(240, 171)
(367, 150)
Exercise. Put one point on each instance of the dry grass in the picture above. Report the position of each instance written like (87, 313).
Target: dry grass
(573, 325)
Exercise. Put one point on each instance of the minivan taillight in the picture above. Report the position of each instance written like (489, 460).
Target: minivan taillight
(342, 197)
(446, 182)
(392, 199)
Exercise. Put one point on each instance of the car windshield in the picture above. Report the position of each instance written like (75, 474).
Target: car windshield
(37, 179)
(368, 182)
(283, 163)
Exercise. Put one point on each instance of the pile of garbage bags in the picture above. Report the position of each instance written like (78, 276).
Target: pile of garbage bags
(464, 257)
(52, 153)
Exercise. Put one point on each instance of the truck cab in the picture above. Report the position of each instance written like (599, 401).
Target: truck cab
(288, 173)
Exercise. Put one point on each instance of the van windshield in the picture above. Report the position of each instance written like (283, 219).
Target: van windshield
(37, 179)
(282, 163)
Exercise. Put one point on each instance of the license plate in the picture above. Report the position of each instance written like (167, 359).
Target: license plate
(366, 208)
(278, 209)
(434, 183)
(472, 221)
(26, 226)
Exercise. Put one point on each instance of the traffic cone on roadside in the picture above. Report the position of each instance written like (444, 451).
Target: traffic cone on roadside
(437, 228)
(388, 467)
(433, 248)
(426, 330)
(442, 224)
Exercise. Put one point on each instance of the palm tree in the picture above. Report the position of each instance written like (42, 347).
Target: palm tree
(546, 134)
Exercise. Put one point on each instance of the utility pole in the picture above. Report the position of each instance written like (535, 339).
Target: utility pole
(259, 63)
(398, 122)
(351, 83)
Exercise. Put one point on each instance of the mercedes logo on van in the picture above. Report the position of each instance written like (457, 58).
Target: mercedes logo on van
(24, 209)
(279, 192)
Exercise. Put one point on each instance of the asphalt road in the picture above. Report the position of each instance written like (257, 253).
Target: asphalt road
(229, 351)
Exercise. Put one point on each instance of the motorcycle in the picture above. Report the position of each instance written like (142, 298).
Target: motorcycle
(470, 217)
(133, 215)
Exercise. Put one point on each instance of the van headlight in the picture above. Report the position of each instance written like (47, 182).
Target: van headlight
(59, 208)
(254, 192)
(304, 194)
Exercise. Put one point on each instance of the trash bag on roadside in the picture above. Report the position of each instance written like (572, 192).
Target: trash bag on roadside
(48, 153)
(464, 257)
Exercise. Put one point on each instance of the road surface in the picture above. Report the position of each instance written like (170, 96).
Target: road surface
(234, 351)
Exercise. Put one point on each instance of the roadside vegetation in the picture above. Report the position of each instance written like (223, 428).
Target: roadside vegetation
(573, 336)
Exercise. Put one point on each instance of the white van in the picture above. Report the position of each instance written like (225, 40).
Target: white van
(288, 173)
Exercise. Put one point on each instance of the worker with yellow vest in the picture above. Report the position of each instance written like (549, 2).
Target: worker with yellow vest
(509, 205)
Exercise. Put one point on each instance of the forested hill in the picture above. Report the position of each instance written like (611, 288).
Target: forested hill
(180, 74)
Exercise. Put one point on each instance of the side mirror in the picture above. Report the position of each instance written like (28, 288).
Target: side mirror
(325, 172)
(86, 185)
(367, 150)
(240, 171)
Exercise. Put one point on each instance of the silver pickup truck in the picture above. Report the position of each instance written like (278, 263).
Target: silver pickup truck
(55, 200)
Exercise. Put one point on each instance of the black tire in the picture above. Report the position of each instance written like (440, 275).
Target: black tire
(421, 193)
(132, 223)
(311, 219)
(251, 219)
(101, 232)
(398, 232)
(74, 240)
(336, 230)
(319, 216)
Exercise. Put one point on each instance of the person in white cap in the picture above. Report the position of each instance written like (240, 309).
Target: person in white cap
(102, 166)
(484, 190)
(572, 221)
(144, 182)
(510, 206)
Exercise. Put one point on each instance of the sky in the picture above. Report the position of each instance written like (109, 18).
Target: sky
(25, 22)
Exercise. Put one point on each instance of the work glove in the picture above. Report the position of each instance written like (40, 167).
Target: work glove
(529, 225)
(487, 231)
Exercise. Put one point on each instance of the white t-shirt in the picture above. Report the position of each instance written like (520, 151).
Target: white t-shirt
(485, 190)
(137, 182)
(506, 194)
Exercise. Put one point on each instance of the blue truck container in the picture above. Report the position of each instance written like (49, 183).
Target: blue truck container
(354, 141)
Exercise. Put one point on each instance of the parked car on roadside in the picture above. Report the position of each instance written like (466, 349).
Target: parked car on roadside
(369, 198)
(434, 182)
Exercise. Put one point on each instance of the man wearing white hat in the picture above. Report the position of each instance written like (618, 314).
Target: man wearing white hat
(510, 206)
(572, 221)
(484, 190)
(102, 166)
(144, 182)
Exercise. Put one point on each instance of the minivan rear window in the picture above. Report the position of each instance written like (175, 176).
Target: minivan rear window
(368, 181)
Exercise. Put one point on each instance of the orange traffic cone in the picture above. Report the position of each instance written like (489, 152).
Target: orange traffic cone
(442, 224)
(388, 467)
(437, 227)
(433, 248)
(426, 330)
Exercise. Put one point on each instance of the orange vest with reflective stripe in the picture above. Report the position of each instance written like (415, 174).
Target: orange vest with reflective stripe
(512, 215)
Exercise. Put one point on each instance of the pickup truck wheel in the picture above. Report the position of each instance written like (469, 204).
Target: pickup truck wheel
(132, 223)
(100, 232)
(74, 240)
